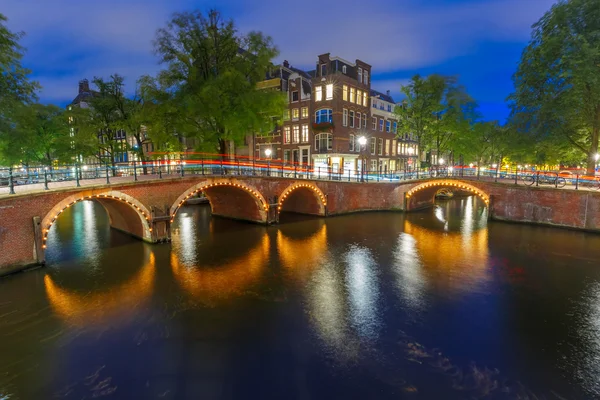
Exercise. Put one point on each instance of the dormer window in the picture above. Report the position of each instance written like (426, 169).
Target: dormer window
(366, 77)
(323, 69)
(360, 74)
(344, 69)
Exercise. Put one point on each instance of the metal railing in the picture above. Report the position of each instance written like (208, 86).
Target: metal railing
(38, 178)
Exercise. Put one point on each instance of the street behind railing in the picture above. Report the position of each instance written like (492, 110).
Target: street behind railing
(15, 180)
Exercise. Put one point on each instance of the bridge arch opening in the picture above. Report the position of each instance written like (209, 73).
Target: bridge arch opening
(302, 198)
(125, 213)
(424, 195)
(228, 198)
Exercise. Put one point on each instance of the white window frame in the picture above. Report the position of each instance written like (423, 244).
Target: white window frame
(360, 74)
(345, 117)
(304, 134)
(365, 121)
(381, 124)
(359, 120)
(374, 123)
(287, 132)
(296, 134)
(329, 91)
(295, 114)
(345, 93)
(319, 93)
(351, 143)
(304, 113)
(380, 148)
(351, 117)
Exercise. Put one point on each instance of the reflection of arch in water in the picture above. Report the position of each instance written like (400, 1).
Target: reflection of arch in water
(462, 255)
(208, 283)
(301, 256)
(125, 213)
(80, 308)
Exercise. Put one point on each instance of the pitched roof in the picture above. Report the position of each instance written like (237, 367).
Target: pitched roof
(382, 96)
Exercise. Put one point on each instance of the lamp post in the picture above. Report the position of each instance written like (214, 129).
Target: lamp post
(268, 153)
(596, 158)
(362, 141)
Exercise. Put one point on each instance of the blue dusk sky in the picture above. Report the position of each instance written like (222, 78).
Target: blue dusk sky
(478, 40)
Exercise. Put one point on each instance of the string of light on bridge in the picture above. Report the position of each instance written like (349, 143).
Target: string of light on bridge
(302, 185)
(455, 184)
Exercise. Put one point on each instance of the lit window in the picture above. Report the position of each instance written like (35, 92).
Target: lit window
(351, 143)
(387, 147)
(388, 126)
(296, 136)
(345, 93)
(318, 93)
(374, 123)
(351, 119)
(304, 133)
(365, 99)
(358, 97)
(394, 147)
(345, 117)
(286, 115)
(380, 146)
(329, 91)
(372, 146)
(360, 74)
(324, 115)
(304, 112)
(374, 165)
(381, 124)
(295, 114)
(286, 134)
(359, 115)
(352, 95)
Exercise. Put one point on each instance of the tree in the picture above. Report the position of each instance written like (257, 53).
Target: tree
(213, 71)
(557, 83)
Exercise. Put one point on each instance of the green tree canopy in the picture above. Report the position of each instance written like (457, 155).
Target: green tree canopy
(557, 84)
(213, 71)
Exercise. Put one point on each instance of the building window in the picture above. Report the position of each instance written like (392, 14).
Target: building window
(345, 117)
(387, 147)
(286, 115)
(365, 121)
(394, 147)
(343, 69)
(324, 115)
(358, 97)
(304, 133)
(388, 126)
(366, 77)
(380, 148)
(365, 100)
(323, 69)
(381, 124)
(395, 127)
(381, 106)
(318, 93)
(295, 114)
(351, 143)
(286, 134)
(373, 165)
(286, 155)
(389, 107)
(329, 92)
(359, 124)
(352, 95)
(304, 112)
(374, 103)
(351, 119)
(323, 141)
(374, 123)
(296, 136)
(372, 146)
(294, 96)
(360, 79)
(345, 93)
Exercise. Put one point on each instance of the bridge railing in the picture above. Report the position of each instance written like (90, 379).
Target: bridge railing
(13, 180)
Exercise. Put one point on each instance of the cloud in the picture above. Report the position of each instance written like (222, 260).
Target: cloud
(68, 40)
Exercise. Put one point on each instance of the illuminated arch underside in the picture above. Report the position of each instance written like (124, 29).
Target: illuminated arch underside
(288, 191)
(449, 183)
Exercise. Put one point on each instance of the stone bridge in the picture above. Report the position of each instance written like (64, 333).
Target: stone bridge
(146, 209)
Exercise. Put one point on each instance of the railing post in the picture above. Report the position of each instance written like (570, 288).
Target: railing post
(202, 164)
(577, 182)
(238, 165)
(282, 169)
(134, 171)
(181, 167)
(253, 167)
(268, 167)
(556, 182)
(11, 183)
(107, 180)
(516, 175)
(160, 170)
(45, 179)
(329, 170)
(349, 174)
(537, 180)
(77, 176)
(497, 169)
(295, 171)
(478, 171)
(222, 170)
(319, 172)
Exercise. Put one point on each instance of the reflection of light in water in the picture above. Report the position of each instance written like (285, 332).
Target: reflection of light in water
(467, 226)
(213, 282)
(90, 234)
(439, 213)
(448, 253)
(187, 238)
(363, 290)
(327, 306)
(587, 365)
(410, 278)
(81, 308)
(300, 257)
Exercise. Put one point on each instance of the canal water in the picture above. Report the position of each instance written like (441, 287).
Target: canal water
(439, 304)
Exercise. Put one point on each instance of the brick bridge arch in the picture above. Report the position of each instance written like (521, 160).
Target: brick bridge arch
(423, 195)
(224, 201)
(125, 213)
(302, 198)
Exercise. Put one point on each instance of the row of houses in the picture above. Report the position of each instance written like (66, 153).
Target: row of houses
(330, 111)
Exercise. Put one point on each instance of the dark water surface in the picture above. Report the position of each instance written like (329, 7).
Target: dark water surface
(433, 305)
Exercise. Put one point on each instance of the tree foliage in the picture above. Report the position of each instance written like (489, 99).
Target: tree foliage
(213, 70)
(557, 96)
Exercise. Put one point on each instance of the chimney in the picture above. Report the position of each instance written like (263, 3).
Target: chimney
(388, 93)
(286, 63)
(84, 86)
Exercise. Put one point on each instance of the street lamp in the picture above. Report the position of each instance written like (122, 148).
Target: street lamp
(441, 162)
(362, 141)
(268, 153)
